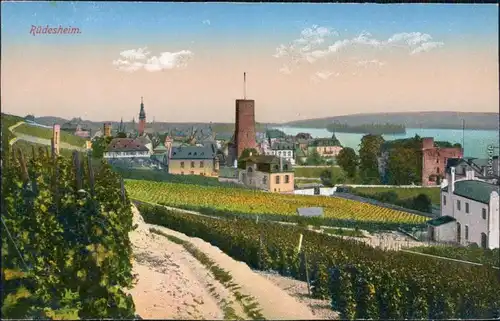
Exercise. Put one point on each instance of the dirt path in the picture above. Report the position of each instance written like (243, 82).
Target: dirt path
(175, 285)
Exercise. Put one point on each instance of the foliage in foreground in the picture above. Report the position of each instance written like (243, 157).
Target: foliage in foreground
(65, 247)
(361, 281)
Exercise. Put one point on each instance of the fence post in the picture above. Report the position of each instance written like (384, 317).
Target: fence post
(91, 174)
(77, 169)
(24, 168)
(304, 256)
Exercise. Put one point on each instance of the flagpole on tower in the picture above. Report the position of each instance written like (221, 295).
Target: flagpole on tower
(245, 85)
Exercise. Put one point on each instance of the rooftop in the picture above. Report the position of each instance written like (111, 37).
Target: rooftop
(441, 220)
(475, 190)
(126, 145)
(193, 152)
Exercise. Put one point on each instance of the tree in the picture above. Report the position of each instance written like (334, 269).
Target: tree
(402, 166)
(314, 158)
(303, 136)
(422, 202)
(348, 161)
(368, 158)
(121, 135)
(99, 145)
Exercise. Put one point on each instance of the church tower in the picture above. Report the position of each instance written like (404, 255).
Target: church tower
(142, 119)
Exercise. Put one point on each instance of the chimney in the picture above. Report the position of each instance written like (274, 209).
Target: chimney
(469, 174)
(451, 186)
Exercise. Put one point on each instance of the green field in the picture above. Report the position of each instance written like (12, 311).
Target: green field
(404, 193)
(46, 133)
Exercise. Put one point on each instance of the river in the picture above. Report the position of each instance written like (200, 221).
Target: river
(475, 141)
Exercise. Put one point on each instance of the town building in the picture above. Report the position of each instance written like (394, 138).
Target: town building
(77, 128)
(434, 160)
(285, 150)
(469, 212)
(484, 169)
(267, 172)
(326, 147)
(194, 160)
(127, 148)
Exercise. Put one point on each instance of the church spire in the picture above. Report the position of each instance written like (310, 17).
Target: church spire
(142, 112)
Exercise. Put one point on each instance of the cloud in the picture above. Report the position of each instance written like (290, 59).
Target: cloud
(366, 63)
(206, 22)
(427, 46)
(303, 48)
(312, 45)
(134, 54)
(285, 70)
(136, 59)
(410, 38)
(323, 75)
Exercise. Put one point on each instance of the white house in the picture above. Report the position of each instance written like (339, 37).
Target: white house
(284, 150)
(127, 148)
(469, 212)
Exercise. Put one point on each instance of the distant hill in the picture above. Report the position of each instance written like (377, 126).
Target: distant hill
(157, 126)
(437, 120)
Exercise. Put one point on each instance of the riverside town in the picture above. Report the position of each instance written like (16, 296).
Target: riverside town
(249, 161)
(46, 30)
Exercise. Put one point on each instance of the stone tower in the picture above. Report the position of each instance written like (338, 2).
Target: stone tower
(142, 119)
(244, 133)
(107, 130)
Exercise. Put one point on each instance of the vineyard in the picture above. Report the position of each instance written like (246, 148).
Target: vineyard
(208, 199)
(65, 247)
(361, 282)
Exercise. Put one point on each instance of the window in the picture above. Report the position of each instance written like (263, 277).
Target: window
(444, 200)
(466, 207)
(201, 164)
(287, 179)
(277, 179)
(466, 233)
(458, 205)
(182, 165)
(192, 164)
(484, 213)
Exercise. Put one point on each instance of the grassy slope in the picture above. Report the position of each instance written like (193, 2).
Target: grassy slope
(404, 193)
(46, 133)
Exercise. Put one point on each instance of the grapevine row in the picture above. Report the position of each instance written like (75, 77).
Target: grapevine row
(65, 247)
(361, 281)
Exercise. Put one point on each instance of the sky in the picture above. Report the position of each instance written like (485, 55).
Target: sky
(302, 60)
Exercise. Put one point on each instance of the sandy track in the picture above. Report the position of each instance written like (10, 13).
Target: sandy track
(173, 284)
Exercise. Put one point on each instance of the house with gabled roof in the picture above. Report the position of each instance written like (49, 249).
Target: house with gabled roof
(469, 212)
(127, 148)
(194, 160)
(267, 172)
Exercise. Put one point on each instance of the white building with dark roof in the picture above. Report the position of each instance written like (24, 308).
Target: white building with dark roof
(127, 148)
(469, 212)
